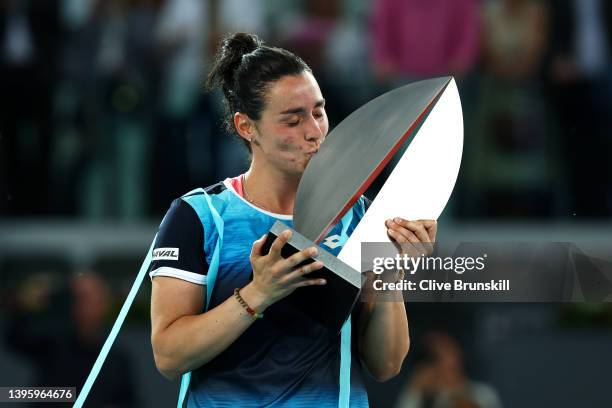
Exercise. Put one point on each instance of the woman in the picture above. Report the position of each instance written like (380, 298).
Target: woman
(236, 357)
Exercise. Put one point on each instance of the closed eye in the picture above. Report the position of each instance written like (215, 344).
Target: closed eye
(293, 123)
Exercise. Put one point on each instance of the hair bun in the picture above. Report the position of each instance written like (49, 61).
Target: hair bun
(229, 56)
(240, 44)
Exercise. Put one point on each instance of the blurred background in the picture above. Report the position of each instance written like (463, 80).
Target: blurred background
(103, 121)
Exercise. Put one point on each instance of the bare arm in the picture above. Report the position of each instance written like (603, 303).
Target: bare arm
(383, 327)
(183, 338)
(383, 338)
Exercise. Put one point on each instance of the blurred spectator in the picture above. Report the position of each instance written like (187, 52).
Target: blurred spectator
(417, 39)
(189, 120)
(514, 36)
(102, 113)
(508, 162)
(220, 156)
(105, 102)
(413, 40)
(347, 56)
(581, 87)
(309, 35)
(347, 71)
(232, 17)
(125, 74)
(63, 351)
(182, 41)
(182, 36)
(441, 381)
(29, 37)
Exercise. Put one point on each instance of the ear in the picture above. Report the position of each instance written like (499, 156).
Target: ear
(244, 126)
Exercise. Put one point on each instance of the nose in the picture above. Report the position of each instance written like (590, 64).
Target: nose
(314, 131)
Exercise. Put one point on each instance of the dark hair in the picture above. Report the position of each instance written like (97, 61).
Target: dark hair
(244, 68)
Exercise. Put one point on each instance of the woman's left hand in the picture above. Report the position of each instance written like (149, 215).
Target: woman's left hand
(413, 237)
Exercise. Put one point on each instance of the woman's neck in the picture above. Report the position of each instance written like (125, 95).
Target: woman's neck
(270, 190)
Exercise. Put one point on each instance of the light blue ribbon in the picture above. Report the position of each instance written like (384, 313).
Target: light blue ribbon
(198, 205)
(95, 370)
(345, 334)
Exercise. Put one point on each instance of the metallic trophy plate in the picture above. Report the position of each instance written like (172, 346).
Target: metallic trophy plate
(356, 151)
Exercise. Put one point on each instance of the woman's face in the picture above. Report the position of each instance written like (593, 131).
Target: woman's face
(293, 124)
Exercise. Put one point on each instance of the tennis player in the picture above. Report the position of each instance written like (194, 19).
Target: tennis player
(241, 347)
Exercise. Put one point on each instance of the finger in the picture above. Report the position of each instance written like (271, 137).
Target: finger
(429, 223)
(310, 282)
(299, 257)
(402, 244)
(299, 273)
(432, 229)
(257, 247)
(405, 234)
(399, 238)
(279, 243)
(426, 236)
(423, 243)
(415, 226)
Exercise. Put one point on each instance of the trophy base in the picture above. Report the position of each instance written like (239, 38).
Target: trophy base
(329, 304)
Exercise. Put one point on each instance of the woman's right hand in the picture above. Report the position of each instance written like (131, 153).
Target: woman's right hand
(275, 277)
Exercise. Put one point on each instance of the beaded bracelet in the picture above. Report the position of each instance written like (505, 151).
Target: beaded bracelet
(244, 304)
(401, 273)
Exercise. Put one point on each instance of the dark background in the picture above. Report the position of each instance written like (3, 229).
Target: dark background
(103, 121)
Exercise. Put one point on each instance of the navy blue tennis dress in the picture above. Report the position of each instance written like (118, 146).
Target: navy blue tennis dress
(282, 360)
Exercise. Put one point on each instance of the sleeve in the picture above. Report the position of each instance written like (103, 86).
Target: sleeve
(366, 203)
(179, 247)
(359, 210)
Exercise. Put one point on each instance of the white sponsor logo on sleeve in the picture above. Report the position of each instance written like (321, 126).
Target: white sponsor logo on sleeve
(170, 254)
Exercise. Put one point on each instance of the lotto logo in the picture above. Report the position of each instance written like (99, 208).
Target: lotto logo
(332, 241)
(170, 254)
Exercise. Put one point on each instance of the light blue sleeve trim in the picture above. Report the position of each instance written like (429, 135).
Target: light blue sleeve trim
(345, 365)
(95, 370)
(201, 207)
(185, 380)
(345, 334)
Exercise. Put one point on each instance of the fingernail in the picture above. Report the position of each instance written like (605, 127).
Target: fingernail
(397, 220)
(313, 251)
(322, 282)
